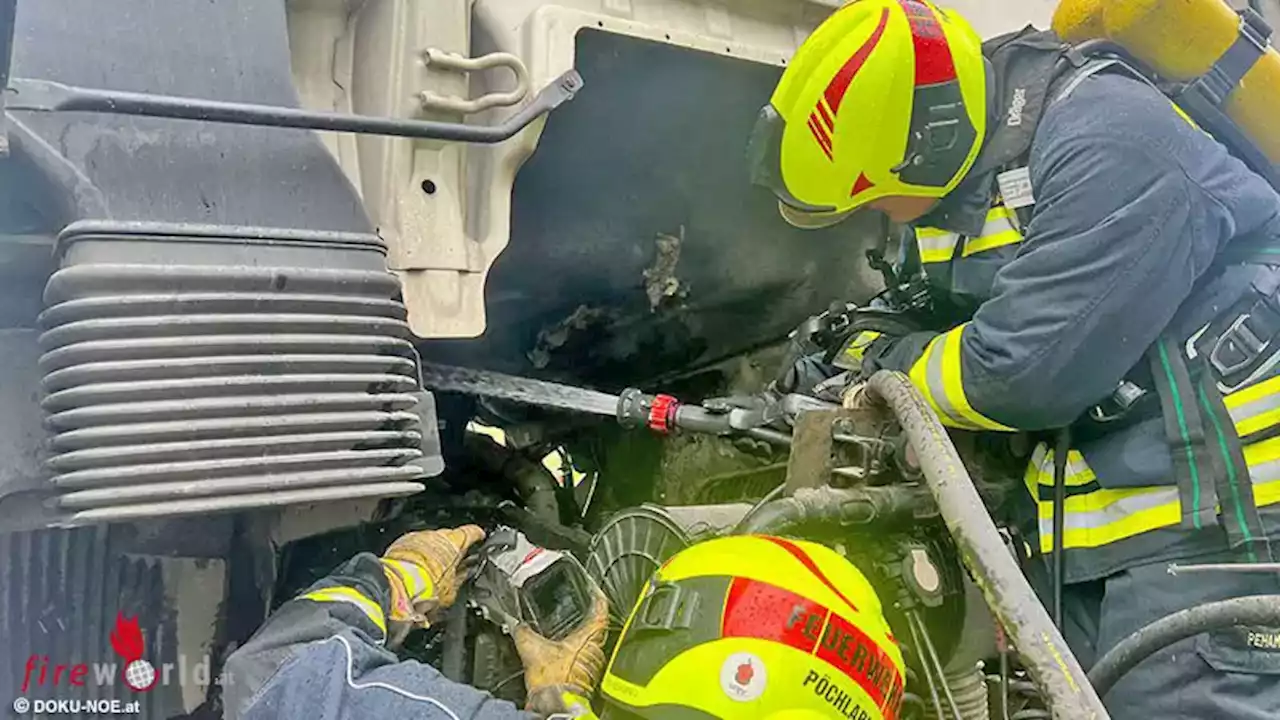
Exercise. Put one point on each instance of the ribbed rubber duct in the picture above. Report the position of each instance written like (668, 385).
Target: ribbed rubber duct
(190, 369)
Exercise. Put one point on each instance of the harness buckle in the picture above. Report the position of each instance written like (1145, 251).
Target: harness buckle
(1237, 348)
(1121, 401)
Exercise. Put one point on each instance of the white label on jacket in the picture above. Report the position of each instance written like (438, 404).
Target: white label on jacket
(1015, 188)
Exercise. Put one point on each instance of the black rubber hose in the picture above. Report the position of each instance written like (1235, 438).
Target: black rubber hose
(1253, 610)
(773, 516)
(1038, 642)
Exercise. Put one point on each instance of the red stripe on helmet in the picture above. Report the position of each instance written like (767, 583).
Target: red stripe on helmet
(753, 609)
(811, 566)
(933, 56)
(820, 135)
(839, 84)
(826, 116)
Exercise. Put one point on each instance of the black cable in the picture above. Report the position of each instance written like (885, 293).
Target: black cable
(1060, 456)
(938, 670)
(918, 643)
(768, 498)
(1261, 610)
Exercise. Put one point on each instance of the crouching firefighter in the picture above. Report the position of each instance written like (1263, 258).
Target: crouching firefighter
(737, 628)
(1085, 257)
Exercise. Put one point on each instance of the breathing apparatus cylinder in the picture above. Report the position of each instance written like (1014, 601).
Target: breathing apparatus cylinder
(1182, 39)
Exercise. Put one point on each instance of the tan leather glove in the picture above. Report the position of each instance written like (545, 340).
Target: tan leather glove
(423, 570)
(561, 674)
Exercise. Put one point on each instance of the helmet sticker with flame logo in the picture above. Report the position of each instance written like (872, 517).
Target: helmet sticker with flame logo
(743, 677)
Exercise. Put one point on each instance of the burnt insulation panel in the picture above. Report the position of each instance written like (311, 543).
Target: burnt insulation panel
(190, 369)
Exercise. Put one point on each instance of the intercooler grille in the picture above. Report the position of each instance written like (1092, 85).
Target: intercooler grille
(177, 388)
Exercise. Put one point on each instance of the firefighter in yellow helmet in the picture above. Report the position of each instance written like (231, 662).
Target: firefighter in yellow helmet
(884, 107)
(733, 628)
(1075, 252)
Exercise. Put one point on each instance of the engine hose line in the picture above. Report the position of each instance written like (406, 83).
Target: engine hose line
(1036, 639)
(1252, 610)
(970, 690)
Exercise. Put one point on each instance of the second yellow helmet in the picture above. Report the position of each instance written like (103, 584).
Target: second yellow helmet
(885, 98)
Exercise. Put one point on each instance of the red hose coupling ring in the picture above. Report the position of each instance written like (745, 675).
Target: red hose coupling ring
(662, 413)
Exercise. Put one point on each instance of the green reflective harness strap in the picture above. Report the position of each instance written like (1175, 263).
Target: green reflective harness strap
(1235, 487)
(1185, 433)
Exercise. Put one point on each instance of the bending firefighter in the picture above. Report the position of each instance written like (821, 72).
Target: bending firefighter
(1077, 254)
(733, 628)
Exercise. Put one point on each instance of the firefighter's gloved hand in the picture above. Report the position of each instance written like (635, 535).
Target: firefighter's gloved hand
(803, 375)
(425, 571)
(560, 674)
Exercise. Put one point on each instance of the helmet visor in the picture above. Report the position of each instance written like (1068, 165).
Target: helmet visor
(764, 164)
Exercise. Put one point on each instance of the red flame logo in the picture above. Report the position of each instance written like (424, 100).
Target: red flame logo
(744, 674)
(127, 638)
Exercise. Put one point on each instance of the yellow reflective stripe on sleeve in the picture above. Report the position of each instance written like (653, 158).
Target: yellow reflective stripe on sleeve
(858, 346)
(1255, 408)
(999, 231)
(936, 245)
(351, 596)
(416, 582)
(939, 375)
(929, 382)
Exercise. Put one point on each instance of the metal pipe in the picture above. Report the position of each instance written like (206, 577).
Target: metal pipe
(1264, 568)
(1031, 631)
(1253, 610)
(46, 96)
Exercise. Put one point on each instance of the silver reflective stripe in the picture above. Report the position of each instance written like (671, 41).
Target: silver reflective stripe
(999, 231)
(998, 224)
(1251, 410)
(936, 248)
(1265, 472)
(1042, 460)
(937, 386)
(1117, 511)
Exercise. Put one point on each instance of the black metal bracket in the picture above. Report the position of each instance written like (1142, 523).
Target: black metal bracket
(46, 96)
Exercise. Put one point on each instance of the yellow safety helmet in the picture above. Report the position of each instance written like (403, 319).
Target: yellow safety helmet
(755, 627)
(885, 98)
